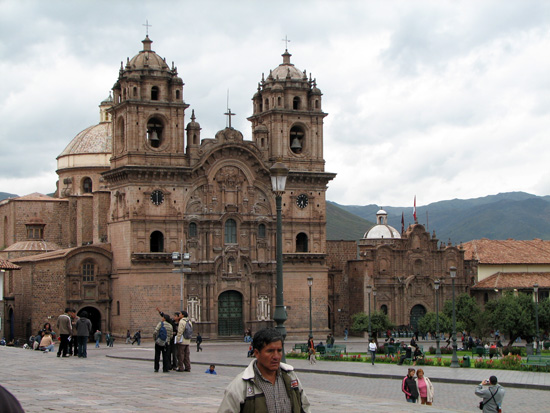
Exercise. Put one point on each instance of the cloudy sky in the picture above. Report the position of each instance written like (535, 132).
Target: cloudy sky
(438, 99)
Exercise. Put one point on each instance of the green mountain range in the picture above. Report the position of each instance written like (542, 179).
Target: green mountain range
(516, 215)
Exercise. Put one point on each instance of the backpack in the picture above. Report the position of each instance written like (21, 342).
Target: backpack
(162, 335)
(188, 332)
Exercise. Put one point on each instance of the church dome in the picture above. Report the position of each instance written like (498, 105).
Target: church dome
(382, 229)
(286, 69)
(147, 58)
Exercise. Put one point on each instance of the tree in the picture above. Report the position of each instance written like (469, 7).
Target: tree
(428, 323)
(544, 316)
(513, 314)
(379, 321)
(467, 311)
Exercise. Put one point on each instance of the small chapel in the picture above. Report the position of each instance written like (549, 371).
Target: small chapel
(143, 183)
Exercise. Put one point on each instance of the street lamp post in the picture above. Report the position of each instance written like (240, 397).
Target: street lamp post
(310, 283)
(437, 349)
(279, 173)
(536, 289)
(454, 358)
(369, 290)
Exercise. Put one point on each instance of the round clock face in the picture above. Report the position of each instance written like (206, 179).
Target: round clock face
(302, 201)
(157, 197)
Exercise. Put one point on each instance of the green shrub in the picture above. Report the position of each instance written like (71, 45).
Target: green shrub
(516, 351)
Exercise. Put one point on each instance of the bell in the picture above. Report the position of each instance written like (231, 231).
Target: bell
(154, 139)
(296, 145)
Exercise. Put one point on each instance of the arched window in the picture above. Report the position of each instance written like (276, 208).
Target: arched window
(155, 93)
(157, 242)
(384, 309)
(177, 94)
(88, 271)
(120, 134)
(261, 231)
(135, 91)
(87, 185)
(192, 229)
(266, 104)
(296, 103)
(296, 141)
(301, 242)
(154, 132)
(316, 104)
(230, 231)
(279, 101)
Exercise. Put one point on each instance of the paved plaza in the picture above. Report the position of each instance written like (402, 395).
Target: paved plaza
(121, 379)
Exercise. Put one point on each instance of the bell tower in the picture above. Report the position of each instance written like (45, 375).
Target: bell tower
(287, 120)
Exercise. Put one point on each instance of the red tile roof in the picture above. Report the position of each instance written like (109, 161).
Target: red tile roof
(510, 280)
(6, 265)
(507, 251)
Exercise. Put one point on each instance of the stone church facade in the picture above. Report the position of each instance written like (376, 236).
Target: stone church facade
(141, 184)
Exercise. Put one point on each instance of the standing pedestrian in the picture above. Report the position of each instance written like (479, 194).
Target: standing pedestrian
(425, 388)
(372, 350)
(172, 351)
(409, 387)
(346, 332)
(184, 363)
(97, 338)
(128, 337)
(162, 335)
(73, 345)
(64, 325)
(83, 331)
(492, 395)
(266, 385)
(311, 351)
(199, 341)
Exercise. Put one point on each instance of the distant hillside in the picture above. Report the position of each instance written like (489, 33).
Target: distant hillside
(515, 215)
(5, 195)
(343, 225)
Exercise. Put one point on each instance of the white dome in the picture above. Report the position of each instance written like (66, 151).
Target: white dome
(382, 229)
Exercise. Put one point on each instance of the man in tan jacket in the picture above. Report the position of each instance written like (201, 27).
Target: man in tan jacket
(65, 326)
(182, 343)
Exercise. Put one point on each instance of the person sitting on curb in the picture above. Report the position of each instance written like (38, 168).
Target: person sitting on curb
(211, 369)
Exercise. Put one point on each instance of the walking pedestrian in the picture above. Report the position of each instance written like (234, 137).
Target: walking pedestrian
(83, 331)
(492, 395)
(346, 332)
(372, 350)
(97, 338)
(199, 341)
(64, 325)
(311, 351)
(128, 337)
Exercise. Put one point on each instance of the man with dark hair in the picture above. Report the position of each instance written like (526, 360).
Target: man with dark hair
(172, 351)
(182, 343)
(162, 344)
(266, 385)
(65, 327)
(492, 396)
(83, 331)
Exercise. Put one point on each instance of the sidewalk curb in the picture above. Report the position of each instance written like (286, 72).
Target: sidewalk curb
(364, 375)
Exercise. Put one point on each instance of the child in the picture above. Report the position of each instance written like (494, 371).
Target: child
(211, 370)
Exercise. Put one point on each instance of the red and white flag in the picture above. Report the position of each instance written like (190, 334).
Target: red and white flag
(414, 212)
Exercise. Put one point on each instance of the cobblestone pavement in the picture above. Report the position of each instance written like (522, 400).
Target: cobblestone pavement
(125, 382)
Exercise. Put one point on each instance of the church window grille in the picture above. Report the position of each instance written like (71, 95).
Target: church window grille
(230, 231)
(296, 103)
(155, 128)
(194, 308)
(87, 185)
(264, 308)
(301, 242)
(192, 229)
(88, 271)
(296, 141)
(155, 93)
(261, 231)
(157, 242)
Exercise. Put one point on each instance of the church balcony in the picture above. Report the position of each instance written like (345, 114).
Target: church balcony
(145, 257)
(305, 257)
